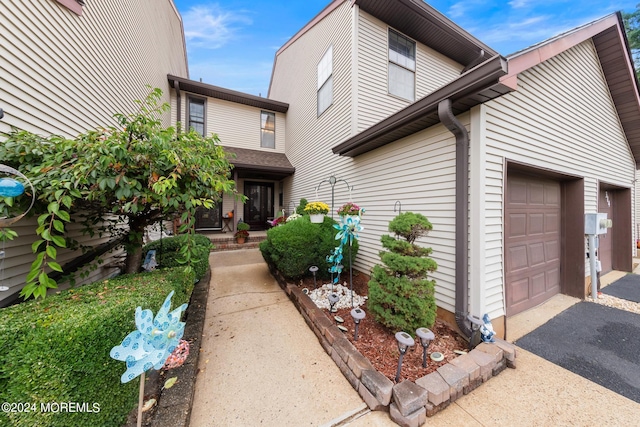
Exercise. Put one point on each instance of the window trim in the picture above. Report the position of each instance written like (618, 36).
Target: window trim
(262, 130)
(73, 5)
(390, 61)
(191, 98)
(324, 82)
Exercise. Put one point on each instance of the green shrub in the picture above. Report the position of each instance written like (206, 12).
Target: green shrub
(57, 349)
(243, 226)
(296, 245)
(400, 295)
(300, 209)
(168, 252)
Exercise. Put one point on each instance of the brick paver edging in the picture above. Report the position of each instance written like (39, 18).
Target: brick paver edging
(408, 403)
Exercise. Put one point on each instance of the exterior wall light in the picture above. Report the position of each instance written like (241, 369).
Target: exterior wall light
(404, 342)
(426, 336)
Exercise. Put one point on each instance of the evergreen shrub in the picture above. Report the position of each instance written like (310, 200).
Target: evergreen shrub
(296, 245)
(400, 295)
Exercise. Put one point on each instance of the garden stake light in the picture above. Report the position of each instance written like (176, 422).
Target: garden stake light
(426, 336)
(313, 269)
(357, 314)
(333, 299)
(404, 342)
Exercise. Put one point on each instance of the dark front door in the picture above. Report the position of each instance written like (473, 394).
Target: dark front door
(259, 206)
(209, 219)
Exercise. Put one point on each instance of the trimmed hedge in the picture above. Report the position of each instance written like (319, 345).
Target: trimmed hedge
(168, 252)
(57, 350)
(296, 245)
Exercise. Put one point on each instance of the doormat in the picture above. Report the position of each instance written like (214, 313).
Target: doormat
(627, 287)
(596, 342)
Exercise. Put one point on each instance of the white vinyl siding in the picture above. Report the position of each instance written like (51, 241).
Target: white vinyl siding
(309, 138)
(325, 81)
(374, 103)
(63, 74)
(561, 118)
(238, 125)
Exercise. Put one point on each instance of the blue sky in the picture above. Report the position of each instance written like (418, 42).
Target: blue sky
(232, 43)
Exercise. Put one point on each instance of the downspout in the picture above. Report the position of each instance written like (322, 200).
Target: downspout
(462, 217)
(176, 86)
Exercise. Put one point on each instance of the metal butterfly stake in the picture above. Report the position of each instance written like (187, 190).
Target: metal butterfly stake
(151, 344)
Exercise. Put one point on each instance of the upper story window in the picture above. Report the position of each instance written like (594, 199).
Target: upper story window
(402, 66)
(325, 81)
(73, 5)
(196, 114)
(267, 129)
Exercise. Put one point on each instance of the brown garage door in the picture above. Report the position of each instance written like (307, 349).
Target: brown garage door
(532, 241)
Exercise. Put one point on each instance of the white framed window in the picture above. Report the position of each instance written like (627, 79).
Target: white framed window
(267, 129)
(325, 81)
(196, 114)
(402, 66)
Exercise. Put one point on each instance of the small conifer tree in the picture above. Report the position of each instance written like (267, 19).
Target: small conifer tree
(400, 295)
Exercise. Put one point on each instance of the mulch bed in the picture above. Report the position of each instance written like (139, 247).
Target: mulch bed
(378, 344)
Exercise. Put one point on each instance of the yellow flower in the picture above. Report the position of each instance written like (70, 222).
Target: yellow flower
(316, 208)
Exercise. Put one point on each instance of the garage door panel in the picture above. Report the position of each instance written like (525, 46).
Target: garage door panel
(538, 284)
(518, 225)
(533, 254)
(536, 254)
(520, 292)
(518, 258)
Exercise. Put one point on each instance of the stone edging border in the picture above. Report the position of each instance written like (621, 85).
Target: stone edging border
(408, 403)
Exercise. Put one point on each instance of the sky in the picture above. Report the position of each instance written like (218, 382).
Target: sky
(232, 43)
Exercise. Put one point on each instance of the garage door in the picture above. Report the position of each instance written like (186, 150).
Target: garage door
(532, 241)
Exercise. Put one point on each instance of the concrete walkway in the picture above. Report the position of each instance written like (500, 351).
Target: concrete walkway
(261, 365)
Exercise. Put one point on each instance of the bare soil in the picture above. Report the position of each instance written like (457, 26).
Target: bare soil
(378, 344)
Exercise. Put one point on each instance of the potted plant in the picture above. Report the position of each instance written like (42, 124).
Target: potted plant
(242, 232)
(316, 211)
(350, 209)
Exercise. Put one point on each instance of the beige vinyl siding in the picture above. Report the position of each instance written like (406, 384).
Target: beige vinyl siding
(238, 125)
(309, 138)
(561, 118)
(419, 172)
(63, 73)
(433, 70)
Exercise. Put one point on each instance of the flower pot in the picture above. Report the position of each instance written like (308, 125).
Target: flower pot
(317, 218)
(348, 216)
(240, 240)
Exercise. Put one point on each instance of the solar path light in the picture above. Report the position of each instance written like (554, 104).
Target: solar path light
(426, 336)
(333, 299)
(313, 269)
(404, 342)
(357, 314)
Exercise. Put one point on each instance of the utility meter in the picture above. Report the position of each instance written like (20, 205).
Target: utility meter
(596, 223)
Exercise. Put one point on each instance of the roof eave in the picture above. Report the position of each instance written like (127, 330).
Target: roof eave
(467, 86)
(218, 92)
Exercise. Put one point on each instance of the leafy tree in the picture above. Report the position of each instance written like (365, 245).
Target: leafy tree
(135, 173)
(632, 28)
(400, 295)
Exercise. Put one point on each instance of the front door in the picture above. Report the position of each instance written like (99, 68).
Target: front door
(259, 206)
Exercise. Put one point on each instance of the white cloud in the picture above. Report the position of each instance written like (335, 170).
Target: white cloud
(519, 4)
(212, 27)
